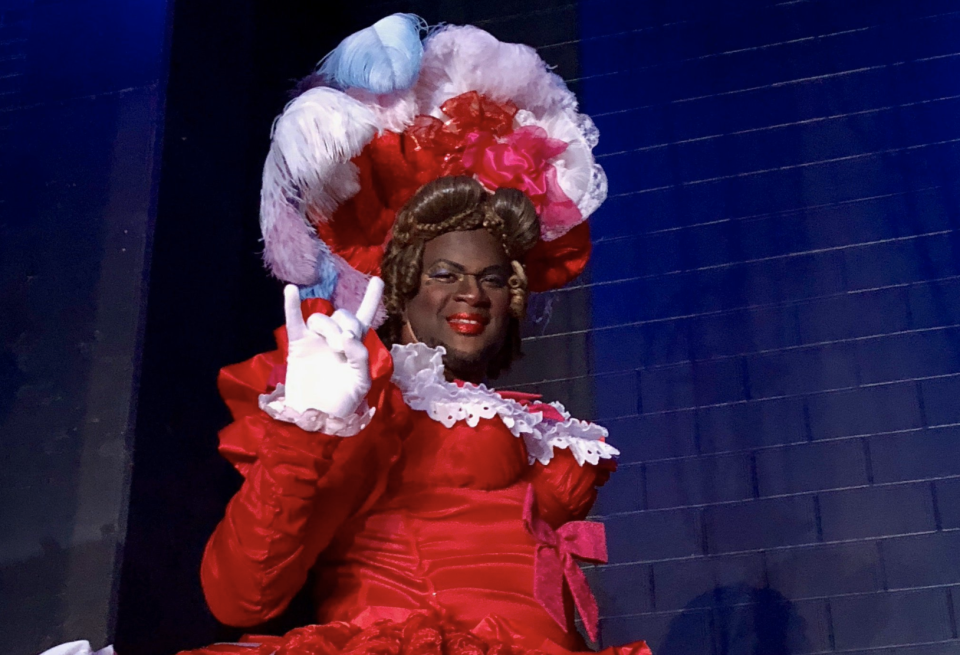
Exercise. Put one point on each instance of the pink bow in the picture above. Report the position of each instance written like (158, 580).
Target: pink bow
(521, 160)
(554, 563)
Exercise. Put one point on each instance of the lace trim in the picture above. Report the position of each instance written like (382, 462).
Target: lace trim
(418, 373)
(583, 439)
(313, 420)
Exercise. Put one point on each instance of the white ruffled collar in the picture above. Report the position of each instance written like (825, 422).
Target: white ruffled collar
(418, 373)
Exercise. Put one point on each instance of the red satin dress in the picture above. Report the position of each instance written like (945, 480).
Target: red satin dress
(416, 532)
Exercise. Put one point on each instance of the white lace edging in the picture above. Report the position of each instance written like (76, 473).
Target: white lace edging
(583, 439)
(313, 420)
(418, 373)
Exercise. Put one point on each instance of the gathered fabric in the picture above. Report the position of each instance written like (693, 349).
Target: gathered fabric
(386, 631)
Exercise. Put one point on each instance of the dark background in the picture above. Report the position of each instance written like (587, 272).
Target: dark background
(769, 327)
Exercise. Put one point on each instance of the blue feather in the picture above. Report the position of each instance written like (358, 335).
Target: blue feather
(382, 58)
(327, 277)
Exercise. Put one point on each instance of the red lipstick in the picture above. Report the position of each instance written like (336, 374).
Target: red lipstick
(468, 324)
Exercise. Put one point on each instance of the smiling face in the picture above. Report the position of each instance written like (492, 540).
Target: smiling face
(463, 302)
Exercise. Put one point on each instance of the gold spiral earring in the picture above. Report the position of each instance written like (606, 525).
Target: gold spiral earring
(518, 290)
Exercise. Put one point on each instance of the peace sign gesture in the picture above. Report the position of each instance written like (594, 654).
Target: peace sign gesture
(327, 363)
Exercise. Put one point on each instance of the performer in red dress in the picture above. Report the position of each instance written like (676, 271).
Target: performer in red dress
(437, 515)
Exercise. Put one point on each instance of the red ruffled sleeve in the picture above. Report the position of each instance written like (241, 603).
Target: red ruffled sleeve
(565, 490)
(299, 487)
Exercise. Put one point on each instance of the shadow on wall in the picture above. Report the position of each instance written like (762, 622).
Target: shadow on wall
(747, 621)
(11, 379)
(15, 331)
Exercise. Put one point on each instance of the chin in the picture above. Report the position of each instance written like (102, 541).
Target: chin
(471, 357)
(463, 362)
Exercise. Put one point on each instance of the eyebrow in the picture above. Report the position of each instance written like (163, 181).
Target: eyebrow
(461, 268)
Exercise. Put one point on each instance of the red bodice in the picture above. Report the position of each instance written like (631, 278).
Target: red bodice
(446, 535)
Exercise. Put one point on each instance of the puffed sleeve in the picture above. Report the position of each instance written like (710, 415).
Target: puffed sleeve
(565, 489)
(299, 487)
(578, 461)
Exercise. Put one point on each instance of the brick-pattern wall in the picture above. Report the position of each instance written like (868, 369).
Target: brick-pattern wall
(15, 20)
(775, 339)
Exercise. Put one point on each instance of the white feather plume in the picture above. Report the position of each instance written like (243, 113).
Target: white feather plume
(309, 165)
(465, 58)
(394, 111)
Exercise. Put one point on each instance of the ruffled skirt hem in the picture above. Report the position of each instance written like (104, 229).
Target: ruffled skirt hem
(419, 633)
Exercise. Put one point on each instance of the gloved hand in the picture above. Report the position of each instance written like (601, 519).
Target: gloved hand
(327, 363)
(78, 648)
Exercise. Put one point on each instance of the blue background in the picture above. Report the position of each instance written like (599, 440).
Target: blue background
(775, 342)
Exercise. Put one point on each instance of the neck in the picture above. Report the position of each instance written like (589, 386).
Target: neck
(452, 375)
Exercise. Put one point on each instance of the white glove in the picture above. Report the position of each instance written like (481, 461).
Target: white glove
(77, 648)
(327, 363)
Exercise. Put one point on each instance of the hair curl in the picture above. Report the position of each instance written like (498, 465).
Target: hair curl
(450, 204)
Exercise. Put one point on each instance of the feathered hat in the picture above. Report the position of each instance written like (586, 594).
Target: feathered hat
(386, 113)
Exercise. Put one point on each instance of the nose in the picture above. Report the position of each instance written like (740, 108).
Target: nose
(470, 291)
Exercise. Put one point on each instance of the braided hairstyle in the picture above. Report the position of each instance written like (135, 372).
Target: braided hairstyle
(450, 204)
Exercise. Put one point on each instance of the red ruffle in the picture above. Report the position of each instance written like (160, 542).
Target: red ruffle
(419, 633)
(551, 264)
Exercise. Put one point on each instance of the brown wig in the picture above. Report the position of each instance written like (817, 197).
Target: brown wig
(450, 204)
